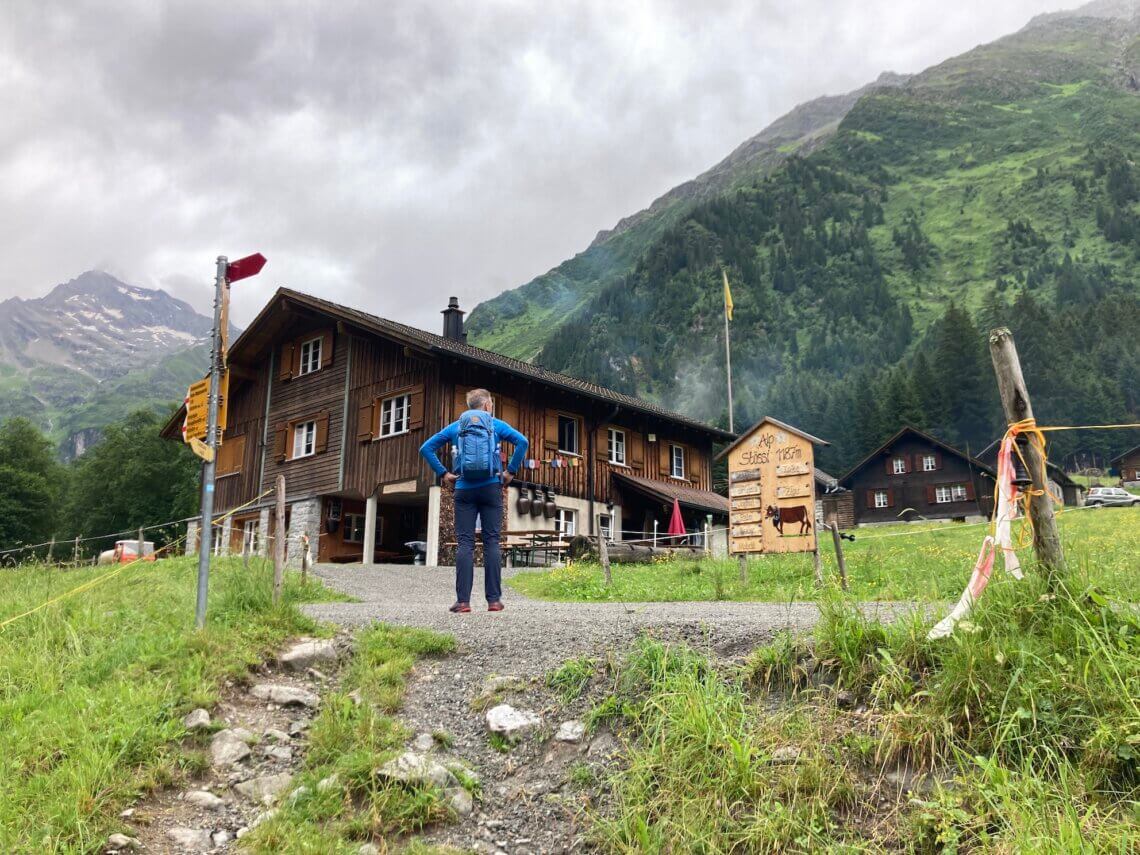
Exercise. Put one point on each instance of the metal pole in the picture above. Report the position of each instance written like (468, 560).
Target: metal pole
(207, 522)
(728, 369)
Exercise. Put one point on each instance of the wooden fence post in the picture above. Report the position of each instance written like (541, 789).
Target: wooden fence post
(142, 544)
(742, 559)
(279, 542)
(818, 565)
(604, 557)
(75, 553)
(1017, 407)
(50, 550)
(839, 559)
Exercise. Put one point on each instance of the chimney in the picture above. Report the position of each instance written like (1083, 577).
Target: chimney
(453, 321)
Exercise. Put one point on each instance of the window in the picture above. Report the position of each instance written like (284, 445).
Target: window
(958, 492)
(605, 526)
(568, 434)
(304, 439)
(310, 356)
(882, 500)
(249, 531)
(564, 522)
(899, 466)
(929, 463)
(617, 446)
(394, 415)
(677, 461)
(354, 528)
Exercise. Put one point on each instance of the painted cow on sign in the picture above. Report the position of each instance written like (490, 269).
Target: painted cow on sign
(780, 516)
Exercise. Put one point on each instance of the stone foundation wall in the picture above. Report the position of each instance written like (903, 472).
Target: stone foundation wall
(192, 537)
(304, 518)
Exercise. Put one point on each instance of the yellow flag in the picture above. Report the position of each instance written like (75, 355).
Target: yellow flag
(727, 297)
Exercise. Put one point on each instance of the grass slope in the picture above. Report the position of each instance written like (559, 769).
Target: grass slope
(93, 688)
(902, 562)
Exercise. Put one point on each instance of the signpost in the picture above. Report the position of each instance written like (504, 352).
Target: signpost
(771, 490)
(205, 437)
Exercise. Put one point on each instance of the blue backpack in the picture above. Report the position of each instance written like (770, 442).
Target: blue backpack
(477, 458)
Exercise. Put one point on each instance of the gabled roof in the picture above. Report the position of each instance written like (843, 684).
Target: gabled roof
(438, 344)
(1058, 474)
(1124, 454)
(782, 425)
(903, 431)
(829, 483)
(667, 491)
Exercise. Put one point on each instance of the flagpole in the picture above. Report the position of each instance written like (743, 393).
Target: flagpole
(727, 354)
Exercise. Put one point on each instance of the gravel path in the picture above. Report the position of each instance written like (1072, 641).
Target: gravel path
(529, 804)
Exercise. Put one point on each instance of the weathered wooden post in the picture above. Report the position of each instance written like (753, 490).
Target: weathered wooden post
(839, 559)
(142, 543)
(818, 565)
(1017, 407)
(604, 557)
(50, 550)
(279, 542)
(742, 559)
(304, 559)
(75, 552)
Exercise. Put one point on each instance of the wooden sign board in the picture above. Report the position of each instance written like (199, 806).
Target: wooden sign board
(772, 490)
(198, 408)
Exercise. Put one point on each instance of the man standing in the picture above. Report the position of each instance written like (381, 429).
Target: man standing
(478, 479)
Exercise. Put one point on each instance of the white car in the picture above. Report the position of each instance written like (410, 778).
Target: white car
(1106, 496)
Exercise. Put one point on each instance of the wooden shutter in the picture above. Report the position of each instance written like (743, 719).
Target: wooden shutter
(890, 497)
(664, 458)
(694, 465)
(326, 348)
(364, 417)
(907, 467)
(285, 368)
(508, 411)
(550, 430)
(281, 443)
(459, 402)
(321, 443)
(416, 407)
(931, 498)
(970, 491)
(602, 444)
(223, 462)
(938, 460)
(890, 465)
(635, 450)
(871, 500)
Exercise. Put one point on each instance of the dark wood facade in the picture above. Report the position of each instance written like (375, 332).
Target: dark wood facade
(1128, 466)
(280, 389)
(914, 475)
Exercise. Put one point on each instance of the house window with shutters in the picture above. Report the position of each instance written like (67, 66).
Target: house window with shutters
(310, 357)
(564, 522)
(568, 435)
(304, 439)
(677, 461)
(882, 499)
(616, 444)
(929, 463)
(898, 466)
(958, 493)
(943, 495)
(229, 456)
(394, 415)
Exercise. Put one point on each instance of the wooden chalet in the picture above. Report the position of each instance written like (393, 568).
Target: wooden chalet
(1128, 465)
(339, 401)
(914, 475)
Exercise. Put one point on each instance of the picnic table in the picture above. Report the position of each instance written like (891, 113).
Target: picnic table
(528, 545)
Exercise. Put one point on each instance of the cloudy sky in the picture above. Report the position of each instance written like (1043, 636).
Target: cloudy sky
(390, 154)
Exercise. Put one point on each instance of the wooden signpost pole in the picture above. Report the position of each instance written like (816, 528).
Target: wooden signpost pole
(604, 557)
(1015, 403)
(839, 559)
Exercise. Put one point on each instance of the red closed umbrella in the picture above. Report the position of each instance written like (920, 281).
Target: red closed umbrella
(676, 524)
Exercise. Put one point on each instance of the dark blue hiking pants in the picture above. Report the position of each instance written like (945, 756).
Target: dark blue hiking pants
(487, 504)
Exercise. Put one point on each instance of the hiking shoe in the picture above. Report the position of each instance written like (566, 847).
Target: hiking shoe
(496, 606)
(460, 608)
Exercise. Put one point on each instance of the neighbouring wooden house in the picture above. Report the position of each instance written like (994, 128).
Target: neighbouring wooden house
(833, 502)
(1128, 465)
(914, 475)
(339, 401)
(1061, 486)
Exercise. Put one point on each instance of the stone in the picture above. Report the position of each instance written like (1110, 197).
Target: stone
(413, 768)
(221, 838)
(244, 735)
(423, 743)
(319, 676)
(602, 747)
(280, 693)
(355, 697)
(510, 722)
(122, 841)
(496, 685)
(298, 726)
(264, 790)
(277, 735)
(241, 832)
(199, 719)
(190, 839)
(308, 654)
(203, 799)
(277, 752)
(571, 731)
(228, 748)
(460, 801)
(329, 783)
(298, 794)
(128, 813)
(368, 849)
(460, 770)
(844, 700)
(786, 754)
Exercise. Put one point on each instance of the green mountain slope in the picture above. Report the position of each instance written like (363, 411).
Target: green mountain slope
(996, 187)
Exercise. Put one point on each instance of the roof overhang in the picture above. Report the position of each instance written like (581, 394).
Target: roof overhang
(664, 492)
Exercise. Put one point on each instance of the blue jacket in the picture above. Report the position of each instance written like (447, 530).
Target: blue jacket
(503, 431)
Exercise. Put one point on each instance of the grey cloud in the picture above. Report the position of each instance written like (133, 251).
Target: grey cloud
(391, 154)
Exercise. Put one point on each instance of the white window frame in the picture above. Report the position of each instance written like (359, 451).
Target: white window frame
(310, 361)
(250, 532)
(958, 493)
(615, 439)
(929, 463)
(304, 439)
(395, 414)
(577, 440)
(606, 526)
(882, 499)
(347, 522)
(943, 495)
(898, 466)
(566, 522)
(675, 452)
